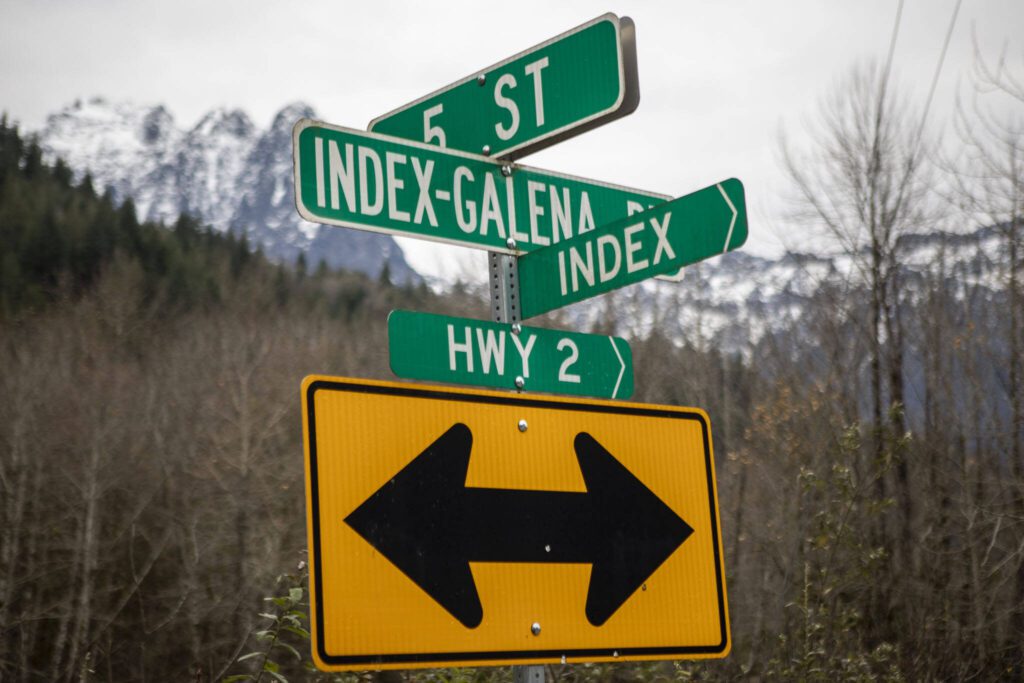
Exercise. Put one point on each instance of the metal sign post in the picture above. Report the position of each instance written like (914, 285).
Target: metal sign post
(504, 304)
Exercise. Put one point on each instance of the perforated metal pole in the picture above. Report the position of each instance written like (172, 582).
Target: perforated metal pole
(504, 287)
(505, 309)
(533, 673)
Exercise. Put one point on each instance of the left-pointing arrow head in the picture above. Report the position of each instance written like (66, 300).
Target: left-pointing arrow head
(410, 521)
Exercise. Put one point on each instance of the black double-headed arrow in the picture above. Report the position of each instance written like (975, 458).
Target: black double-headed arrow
(428, 523)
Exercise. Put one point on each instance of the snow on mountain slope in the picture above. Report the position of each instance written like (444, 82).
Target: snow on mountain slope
(210, 161)
(119, 144)
(731, 302)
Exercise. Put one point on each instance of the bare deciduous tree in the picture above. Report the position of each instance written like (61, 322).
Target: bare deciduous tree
(864, 182)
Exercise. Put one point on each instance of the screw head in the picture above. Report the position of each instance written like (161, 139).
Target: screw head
(506, 170)
(510, 243)
(522, 425)
(481, 79)
(520, 382)
(516, 328)
(487, 150)
(535, 628)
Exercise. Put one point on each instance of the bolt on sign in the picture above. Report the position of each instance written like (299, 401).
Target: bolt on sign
(565, 86)
(444, 349)
(453, 527)
(378, 183)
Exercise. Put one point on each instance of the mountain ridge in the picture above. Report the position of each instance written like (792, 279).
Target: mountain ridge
(224, 170)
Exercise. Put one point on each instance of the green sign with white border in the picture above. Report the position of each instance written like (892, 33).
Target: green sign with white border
(367, 181)
(462, 351)
(661, 240)
(569, 84)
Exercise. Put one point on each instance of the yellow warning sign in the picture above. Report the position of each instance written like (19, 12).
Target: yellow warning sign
(452, 527)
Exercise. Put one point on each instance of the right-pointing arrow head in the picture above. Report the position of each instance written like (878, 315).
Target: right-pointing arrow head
(639, 532)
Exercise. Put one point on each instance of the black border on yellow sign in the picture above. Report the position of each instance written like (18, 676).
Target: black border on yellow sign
(504, 656)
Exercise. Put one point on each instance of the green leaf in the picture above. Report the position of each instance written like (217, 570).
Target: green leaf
(278, 676)
(291, 649)
(237, 677)
(295, 594)
(298, 630)
(271, 666)
(265, 615)
(249, 656)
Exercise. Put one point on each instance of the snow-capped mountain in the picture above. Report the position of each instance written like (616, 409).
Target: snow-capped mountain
(224, 170)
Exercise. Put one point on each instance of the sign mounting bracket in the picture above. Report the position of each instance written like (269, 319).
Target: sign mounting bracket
(504, 273)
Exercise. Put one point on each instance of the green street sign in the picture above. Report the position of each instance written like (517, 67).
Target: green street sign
(379, 183)
(572, 83)
(443, 349)
(661, 240)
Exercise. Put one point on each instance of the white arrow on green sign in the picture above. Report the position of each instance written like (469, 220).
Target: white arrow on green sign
(661, 240)
(374, 182)
(569, 84)
(462, 351)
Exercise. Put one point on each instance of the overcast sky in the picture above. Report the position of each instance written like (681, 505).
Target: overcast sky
(718, 80)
